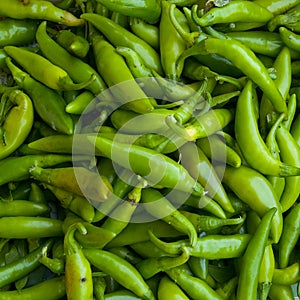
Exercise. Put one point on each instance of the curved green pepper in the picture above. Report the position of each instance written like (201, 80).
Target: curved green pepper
(16, 120)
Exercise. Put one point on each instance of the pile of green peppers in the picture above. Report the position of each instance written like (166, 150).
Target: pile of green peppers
(149, 149)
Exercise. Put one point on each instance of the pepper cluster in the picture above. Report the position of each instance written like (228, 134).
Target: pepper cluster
(149, 149)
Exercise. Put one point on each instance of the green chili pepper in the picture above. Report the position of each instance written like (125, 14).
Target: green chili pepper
(120, 19)
(22, 208)
(114, 71)
(151, 266)
(277, 182)
(278, 6)
(249, 272)
(203, 203)
(282, 65)
(51, 289)
(295, 130)
(260, 42)
(95, 237)
(17, 32)
(148, 32)
(22, 164)
(29, 227)
(175, 176)
(199, 266)
(79, 284)
(255, 195)
(159, 228)
(228, 289)
(196, 71)
(55, 265)
(176, 91)
(281, 292)
(289, 19)
(287, 276)
(148, 10)
(16, 120)
(289, 153)
(193, 286)
(167, 288)
(125, 209)
(290, 235)
(236, 11)
(99, 286)
(147, 250)
(36, 194)
(22, 266)
(208, 223)
(80, 103)
(119, 36)
(201, 169)
(120, 270)
(35, 64)
(74, 43)
(129, 122)
(253, 147)
(121, 215)
(52, 112)
(106, 168)
(171, 43)
(217, 150)
(159, 207)
(77, 204)
(210, 246)
(204, 125)
(127, 254)
(121, 295)
(77, 180)
(290, 39)
(38, 9)
(266, 272)
(250, 64)
(78, 70)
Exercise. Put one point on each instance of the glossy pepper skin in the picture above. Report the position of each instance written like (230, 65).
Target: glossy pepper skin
(52, 112)
(120, 270)
(167, 287)
(23, 266)
(248, 277)
(244, 59)
(290, 235)
(278, 6)
(252, 188)
(200, 168)
(148, 10)
(50, 289)
(35, 65)
(78, 272)
(195, 287)
(37, 9)
(17, 32)
(119, 36)
(30, 227)
(146, 31)
(16, 120)
(77, 69)
(175, 176)
(114, 70)
(250, 141)
(171, 43)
